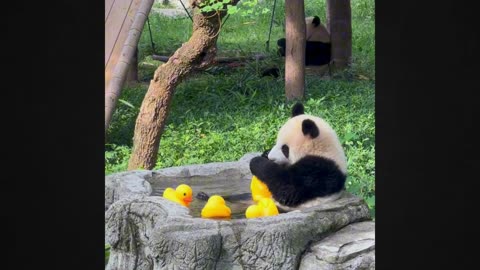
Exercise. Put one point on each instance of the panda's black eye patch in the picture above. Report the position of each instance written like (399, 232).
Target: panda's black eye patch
(285, 150)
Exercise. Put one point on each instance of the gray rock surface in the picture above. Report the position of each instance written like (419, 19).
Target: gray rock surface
(126, 185)
(153, 233)
(217, 170)
(213, 178)
(352, 247)
(148, 232)
(218, 177)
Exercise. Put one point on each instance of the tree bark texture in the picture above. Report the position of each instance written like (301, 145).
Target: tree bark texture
(339, 24)
(295, 49)
(198, 52)
(220, 60)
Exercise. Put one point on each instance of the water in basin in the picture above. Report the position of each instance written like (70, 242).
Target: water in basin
(236, 192)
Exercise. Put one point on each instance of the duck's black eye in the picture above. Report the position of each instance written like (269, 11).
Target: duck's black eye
(184, 194)
(285, 150)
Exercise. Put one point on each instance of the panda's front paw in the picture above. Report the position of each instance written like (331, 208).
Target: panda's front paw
(257, 164)
(265, 154)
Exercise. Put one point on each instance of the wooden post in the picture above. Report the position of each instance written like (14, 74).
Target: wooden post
(339, 24)
(132, 76)
(295, 33)
(124, 21)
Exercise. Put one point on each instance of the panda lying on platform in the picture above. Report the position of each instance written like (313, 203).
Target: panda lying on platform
(318, 47)
(306, 167)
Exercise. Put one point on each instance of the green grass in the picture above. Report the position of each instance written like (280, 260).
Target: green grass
(241, 112)
(162, 5)
(107, 253)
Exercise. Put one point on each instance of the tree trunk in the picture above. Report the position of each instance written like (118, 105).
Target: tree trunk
(220, 60)
(198, 52)
(295, 49)
(339, 24)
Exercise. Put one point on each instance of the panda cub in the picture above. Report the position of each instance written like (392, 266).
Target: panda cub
(318, 47)
(306, 167)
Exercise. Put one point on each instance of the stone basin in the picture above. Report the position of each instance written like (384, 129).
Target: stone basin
(146, 231)
(231, 180)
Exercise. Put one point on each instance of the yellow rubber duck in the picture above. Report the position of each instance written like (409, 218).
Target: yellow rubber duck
(266, 207)
(259, 189)
(216, 208)
(181, 195)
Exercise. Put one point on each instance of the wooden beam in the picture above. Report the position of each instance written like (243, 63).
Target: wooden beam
(124, 20)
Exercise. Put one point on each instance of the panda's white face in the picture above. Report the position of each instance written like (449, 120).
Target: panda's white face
(276, 155)
(292, 144)
(289, 138)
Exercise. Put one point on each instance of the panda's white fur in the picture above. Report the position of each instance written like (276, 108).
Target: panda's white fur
(316, 33)
(318, 47)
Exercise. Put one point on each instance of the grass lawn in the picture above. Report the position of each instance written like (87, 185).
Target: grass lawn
(222, 113)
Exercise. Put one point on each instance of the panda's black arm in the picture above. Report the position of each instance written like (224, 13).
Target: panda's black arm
(267, 170)
(279, 181)
(308, 178)
(265, 153)
(318, 176)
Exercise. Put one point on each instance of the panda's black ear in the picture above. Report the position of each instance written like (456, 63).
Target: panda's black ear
(316, 21)
(297, 109)
(310, 128)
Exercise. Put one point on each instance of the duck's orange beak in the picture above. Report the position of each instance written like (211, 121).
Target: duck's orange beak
(187, 200)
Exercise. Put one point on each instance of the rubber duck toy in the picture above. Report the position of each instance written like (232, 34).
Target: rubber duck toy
(259, 189)
(181, 195)
(266, 207)
(216, 208)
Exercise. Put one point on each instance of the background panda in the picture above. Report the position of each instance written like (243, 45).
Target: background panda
(306, 167)
(318, 47)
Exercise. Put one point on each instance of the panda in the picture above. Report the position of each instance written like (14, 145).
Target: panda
(318, 50)
(306, 167)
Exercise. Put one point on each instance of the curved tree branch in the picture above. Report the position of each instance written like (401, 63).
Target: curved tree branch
(198, 52)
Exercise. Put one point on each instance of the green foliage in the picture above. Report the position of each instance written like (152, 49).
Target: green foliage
(162, 5)
(107, 253)
(244, 7)
(222, 113)
(116, 157)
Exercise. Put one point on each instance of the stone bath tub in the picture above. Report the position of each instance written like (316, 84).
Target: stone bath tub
(146, 231)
